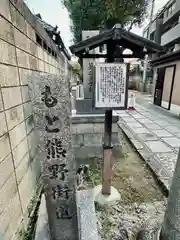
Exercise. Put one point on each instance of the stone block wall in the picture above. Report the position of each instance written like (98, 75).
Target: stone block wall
(25, 51)
(87, 138)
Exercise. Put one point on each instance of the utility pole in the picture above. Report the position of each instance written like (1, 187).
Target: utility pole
(148, 37)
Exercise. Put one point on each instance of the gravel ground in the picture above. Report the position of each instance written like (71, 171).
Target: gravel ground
(120, 222)
(142, 201)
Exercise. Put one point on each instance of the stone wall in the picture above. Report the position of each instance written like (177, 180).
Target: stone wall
(87, 138)
(26, 51)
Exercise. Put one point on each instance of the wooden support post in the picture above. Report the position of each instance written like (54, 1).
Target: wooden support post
(107, 148)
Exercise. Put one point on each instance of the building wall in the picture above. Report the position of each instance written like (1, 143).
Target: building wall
(20, 58)
(175, 100)
(170, 24)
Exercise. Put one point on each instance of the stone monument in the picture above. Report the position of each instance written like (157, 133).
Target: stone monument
(84, 106)
(51, 102)
(87, 65)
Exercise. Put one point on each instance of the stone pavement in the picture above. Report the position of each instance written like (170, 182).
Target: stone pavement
(155, 134)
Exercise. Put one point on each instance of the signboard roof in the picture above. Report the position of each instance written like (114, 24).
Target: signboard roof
(120, 36)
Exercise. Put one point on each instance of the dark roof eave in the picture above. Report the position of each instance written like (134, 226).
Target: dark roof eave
(92, 41)
(173, 56)
(151, 44)
(110, 34)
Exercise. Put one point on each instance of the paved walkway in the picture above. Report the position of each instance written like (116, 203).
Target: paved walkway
(155, 133)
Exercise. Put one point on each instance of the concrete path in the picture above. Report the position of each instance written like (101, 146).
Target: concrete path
(155, 133)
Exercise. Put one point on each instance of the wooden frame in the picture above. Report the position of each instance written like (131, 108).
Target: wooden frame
(172, 85)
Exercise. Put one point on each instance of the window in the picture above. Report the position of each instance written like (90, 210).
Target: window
(49, 50)
(45, 45)
(169, 10)
(38, 40)
(173, 7)
(152, 36)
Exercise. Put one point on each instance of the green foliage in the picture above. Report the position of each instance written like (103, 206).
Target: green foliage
(30, 120)
(76, 68)
(96, 14)
(33, 207)
(23, 235)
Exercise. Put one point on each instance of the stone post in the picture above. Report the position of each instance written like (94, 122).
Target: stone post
(87, 65)
(51, 103)
(171, 225)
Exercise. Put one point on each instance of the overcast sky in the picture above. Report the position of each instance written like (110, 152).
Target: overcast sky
(53, 12)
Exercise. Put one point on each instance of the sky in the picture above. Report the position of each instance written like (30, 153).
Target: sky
(54, 13)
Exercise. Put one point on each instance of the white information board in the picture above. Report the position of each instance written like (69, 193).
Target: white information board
(110, 85)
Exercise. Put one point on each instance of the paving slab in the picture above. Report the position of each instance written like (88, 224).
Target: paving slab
(148, 137)
(145, 120)
(129, 119)
(156, 165)
(122, 113)
(172, 141)
(162, 133)
(173, 129)
(167, 157)
(138, 116)
(145, 154)
(134, 125)
(177, 150)
(154, 118)
(147, 114)
(158, 147)
(156, 136)
(132, 112)
(163, 123)
(168, 160)
(141, 130)
(152, 126)
(137, 144)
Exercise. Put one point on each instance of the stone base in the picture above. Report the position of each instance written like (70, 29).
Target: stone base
(102, 199)
(91, 118)
(42, 229)
(87, 220)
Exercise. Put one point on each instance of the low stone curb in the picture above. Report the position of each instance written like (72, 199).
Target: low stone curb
(152, 161)
(87, 220)
(42, 229)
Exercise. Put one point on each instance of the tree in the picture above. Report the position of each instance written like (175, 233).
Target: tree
(76, 69)
(96, 14)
